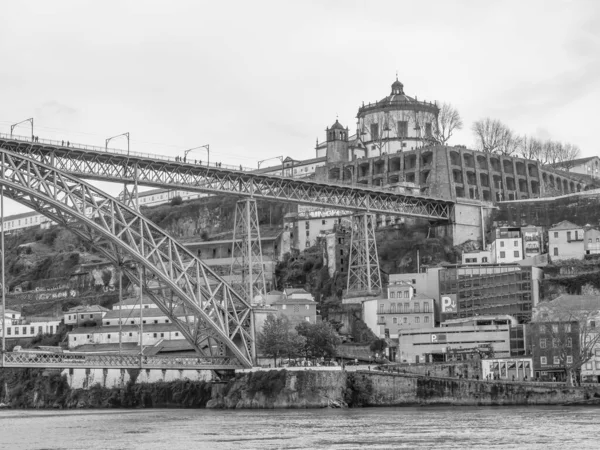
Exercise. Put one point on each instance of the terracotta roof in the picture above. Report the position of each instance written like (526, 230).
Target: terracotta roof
(148, 328)
(573, 162)
(89, 308)
(132, 313)
(565, 225)
(290, 301)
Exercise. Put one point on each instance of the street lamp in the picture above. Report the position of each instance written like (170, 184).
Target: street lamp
(274, 157)
(207, 147)
(30, 120)
(114, 137)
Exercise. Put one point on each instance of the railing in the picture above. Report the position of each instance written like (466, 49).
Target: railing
(74, 145)
(71, 360)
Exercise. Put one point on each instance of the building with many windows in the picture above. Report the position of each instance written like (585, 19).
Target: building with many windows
(469, 291)
(507, 246)
(297, 305)
(403, 309)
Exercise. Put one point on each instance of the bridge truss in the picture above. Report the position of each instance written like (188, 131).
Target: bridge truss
(95, 163)
(215, 319)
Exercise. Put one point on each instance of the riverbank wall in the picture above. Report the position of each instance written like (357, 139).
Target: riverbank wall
(36, 388)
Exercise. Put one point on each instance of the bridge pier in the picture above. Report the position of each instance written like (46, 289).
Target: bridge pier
(364, 276)
(247, 269)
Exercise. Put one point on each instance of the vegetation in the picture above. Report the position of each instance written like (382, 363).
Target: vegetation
(359, 389)
(278, 340)
(320, 339)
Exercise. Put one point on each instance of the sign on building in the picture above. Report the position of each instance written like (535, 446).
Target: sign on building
(449, 304)
(438, 338)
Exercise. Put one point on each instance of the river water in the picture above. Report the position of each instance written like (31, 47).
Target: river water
(369, 428)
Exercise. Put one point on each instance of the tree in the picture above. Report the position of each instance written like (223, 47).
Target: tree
(177, 200)
(448, 121)
(488, 134)
(321, 339)
(531, 148)
(378, 345)
(564, 320)
(277, 339)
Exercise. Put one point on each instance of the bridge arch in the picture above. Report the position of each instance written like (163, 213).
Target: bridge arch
(222, 318)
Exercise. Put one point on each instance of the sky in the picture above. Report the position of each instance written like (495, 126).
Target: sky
(261, 79)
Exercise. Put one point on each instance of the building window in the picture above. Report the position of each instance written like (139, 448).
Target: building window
(556, 360)
(516, 254)
(501, 243)
(407, 307)
(555, 251)
(556, 234)
(108, 336)
(392, 294)
(323, 222)
(176, 333)
(307, 306)
(428, 131)
(554, 343)
(381, 306)
(597, 364)
(484, 260)
(543, 360)
(542, 343)
(307, 319)
(515, 243)
(555, 328)
(382, 319)
(569, 342)
(395, 320)
(426, 319)
(567, 328)
(417, 319)
(417, 308)
(374, 131)
(402, 128)
(155, 335)
(406, 294)
(568, 236)
(404, 320)
(502, 254)
(569, 359)
(426, 307)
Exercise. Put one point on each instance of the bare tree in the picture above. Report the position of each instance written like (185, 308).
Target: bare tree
(378, 127)
(489, 134)
(510, 143)
(531, 148)
(448, 121)
(569, 152)
(570, 327)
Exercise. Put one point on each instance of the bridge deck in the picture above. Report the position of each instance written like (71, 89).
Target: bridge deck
(164, 171)
(92, 361)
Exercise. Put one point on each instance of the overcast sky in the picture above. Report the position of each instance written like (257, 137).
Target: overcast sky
(259, 79)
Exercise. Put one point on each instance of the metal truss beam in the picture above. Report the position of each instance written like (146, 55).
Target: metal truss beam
(95, 163)
(247, 268)
(214, 317)
(92, 361)
(363, 268)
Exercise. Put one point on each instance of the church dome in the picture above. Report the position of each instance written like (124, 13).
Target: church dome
(337, 126)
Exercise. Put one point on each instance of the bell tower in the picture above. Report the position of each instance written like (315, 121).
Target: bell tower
(337, 142)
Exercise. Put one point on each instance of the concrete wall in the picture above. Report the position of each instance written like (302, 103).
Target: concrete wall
(110, 378)
(399, 389)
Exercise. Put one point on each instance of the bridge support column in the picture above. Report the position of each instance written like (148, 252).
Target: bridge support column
(247, 268)
(364, 277)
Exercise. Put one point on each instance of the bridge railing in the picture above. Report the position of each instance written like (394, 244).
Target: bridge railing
(95, 148)
(34, 359)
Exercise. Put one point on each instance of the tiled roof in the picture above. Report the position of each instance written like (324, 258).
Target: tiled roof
(565, 225)
(149, 312)
(148, 328)
(290, 301)
(89, 308)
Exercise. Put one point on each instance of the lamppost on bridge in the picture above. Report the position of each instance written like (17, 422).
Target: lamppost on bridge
(206, 146)
(30, 120)
(114, 137)
(280, 158)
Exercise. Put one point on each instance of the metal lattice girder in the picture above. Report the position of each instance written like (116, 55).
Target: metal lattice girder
(107, 166)
(363, 267)
(90, 361)
(213, 317)
(247, 268)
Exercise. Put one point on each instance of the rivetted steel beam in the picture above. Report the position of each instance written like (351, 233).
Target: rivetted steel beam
(208, 312)
(95, 163)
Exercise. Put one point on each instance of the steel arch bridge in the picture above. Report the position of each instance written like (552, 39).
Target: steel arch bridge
(161, 171)
(222, 320)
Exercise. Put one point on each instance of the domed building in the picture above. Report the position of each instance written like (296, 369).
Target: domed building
(396, 123)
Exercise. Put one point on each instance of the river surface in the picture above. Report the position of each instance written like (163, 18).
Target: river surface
(369, 428)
